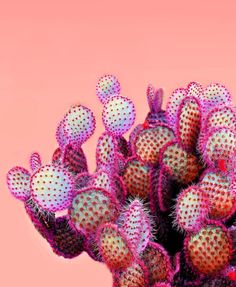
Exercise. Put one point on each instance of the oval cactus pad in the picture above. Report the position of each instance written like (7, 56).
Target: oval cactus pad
(107, 86)
(92, 207)
(52, 187)
(118, 115)
(18, 181)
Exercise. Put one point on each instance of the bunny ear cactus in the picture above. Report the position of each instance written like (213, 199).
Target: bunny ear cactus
(155, 99)
(159, 209)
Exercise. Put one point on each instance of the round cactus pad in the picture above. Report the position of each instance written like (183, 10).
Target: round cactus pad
(118, 115)
(107, 86)
(52, 187)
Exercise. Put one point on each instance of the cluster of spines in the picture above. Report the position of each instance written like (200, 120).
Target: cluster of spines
(159, 209)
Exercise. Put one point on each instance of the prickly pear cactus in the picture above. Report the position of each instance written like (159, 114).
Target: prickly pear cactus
(160, 208)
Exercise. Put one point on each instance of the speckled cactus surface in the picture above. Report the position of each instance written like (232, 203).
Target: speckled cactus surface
(160, 207)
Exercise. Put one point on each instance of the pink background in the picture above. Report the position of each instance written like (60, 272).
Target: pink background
(51, 55)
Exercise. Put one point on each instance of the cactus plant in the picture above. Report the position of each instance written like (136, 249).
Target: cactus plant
(159, 209)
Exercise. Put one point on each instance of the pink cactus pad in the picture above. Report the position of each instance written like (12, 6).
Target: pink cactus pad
(56, 157)
(136, 226)
(106, 150)
(74, 159)
(145, 233)
(60, 135)
(221, 117)
(92, 207)
(18, 181)
(103, 179)
(210, 249)
(118, 115)
(221, 193)
(66, 241)
(188, 123)
(78, 125)
(43, 221)
(181, 165)
(215, 95)
(220, 144)
(150, 140)
(114, 247)
(107, 86)
(158, 263)
(52, 187)
(136, 275)
(173, 105)
(137, 178)
(133, 134)
(195, 89)
(35, 161)
(191, 209)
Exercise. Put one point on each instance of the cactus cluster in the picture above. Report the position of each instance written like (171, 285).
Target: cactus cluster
(160, 208)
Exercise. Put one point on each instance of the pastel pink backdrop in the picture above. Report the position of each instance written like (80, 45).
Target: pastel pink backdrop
(51, 55)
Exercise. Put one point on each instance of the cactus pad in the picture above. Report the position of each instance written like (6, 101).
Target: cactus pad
(188, 123)
(107, 86)
(210, 249)
(91, 207)
(74, 159)
(118, 115)
(221, 117)
(214, 95)
(191, 209)
(106, 150)
(221, 194)
(18, 181)
(136, 226)
(173, 105)
(220, 144)
(133, 276)
(78, 125)
(103, 179)
(158, 263)
(137, 178)
(149, 141)
(35, 161)
(114, 247)
(183, 166)
(52, 187)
